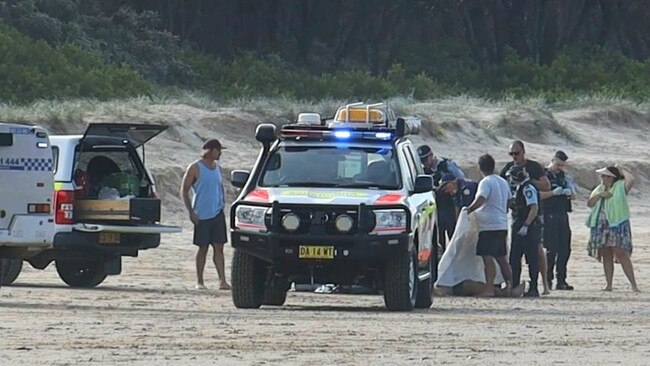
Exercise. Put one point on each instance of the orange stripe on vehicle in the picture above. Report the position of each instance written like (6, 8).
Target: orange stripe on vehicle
(424, 255)
(258, 195)
(389, 199)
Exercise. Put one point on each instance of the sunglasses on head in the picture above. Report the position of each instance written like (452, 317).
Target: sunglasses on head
(514, 153)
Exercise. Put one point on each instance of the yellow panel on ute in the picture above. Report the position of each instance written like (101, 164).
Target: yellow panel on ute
(360, 115)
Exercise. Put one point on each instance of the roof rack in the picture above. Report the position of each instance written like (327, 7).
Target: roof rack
(355, 121)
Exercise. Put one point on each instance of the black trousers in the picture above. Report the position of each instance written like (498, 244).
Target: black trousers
(446, 226)
(525, 245)
(557, 241)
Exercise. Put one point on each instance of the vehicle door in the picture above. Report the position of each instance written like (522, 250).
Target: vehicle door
(423, 204)
(26, 186)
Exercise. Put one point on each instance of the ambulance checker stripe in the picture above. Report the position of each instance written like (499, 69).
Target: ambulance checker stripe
(36, 164)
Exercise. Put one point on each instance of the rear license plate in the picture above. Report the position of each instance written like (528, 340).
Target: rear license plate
(109, 238)
(316, 252)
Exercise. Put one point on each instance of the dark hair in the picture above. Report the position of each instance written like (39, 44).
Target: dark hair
(520, 144)
(614, 170)
(561, 155)
(486, 163)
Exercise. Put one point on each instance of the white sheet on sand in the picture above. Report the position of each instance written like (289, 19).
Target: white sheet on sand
(460, 262)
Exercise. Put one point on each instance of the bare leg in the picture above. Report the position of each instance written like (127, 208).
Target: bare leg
(608, 266)
(200, 264)
(490, 273)
(543, 270)
(626, 263)
(220, 265)
(506, 271)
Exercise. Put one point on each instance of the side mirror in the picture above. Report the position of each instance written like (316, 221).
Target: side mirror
(239, 178)
(423, 183)
(265, 133)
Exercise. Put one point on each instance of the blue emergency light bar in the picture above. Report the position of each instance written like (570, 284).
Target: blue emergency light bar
(347, 134)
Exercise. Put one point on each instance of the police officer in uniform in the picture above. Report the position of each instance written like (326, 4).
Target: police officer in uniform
(446, 212)
(462, 190)
(526, 228)
(557, 231)
(437, 166)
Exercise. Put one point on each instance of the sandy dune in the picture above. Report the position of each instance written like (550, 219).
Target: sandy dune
(152, 315)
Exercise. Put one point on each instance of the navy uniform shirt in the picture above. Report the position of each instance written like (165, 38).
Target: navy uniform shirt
(466, 192)
(526, 195)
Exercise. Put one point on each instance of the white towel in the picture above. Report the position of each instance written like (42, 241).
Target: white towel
(460, 262)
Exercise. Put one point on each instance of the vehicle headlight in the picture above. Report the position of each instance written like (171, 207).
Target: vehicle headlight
(250, 217)
(291, 222)
(389, 221)
(344, 223)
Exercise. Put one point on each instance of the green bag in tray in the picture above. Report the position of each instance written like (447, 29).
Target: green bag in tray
(126, 184)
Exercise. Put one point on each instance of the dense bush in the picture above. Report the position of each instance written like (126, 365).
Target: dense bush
(32, 70)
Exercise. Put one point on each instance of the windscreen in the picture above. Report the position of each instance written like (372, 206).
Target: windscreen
(332, 166)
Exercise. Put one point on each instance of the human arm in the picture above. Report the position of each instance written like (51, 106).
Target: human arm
(478, 202)
(548, 194)
(189, 178)
(455, 169)
(597, 195)
(482, 192)
(570, 186)
(629, 180)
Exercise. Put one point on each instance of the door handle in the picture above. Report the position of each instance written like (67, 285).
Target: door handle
(3, 213)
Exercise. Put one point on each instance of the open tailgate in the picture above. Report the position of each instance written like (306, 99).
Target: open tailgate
(137, 133)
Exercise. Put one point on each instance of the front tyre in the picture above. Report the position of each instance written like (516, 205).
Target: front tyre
(401, 281)
(248, 276)
(276, 292)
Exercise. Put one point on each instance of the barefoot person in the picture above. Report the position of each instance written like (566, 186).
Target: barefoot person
(204, 178)
(609, 220)
(460, 271)
(491, 207)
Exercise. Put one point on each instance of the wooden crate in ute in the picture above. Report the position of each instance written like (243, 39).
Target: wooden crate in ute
(144, 210)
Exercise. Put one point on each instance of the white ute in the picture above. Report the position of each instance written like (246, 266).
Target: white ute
(26, 182)
(105, 202)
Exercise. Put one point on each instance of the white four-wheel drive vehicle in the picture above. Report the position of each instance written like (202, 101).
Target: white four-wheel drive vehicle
(26, 181)
(344, 202)
(105, 202)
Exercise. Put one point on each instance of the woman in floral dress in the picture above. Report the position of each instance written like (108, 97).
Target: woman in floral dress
(609, 221)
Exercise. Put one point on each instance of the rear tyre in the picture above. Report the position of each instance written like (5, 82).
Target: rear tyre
(248, 276)
(10, 270)
(276, 293)
(401, 281)
(81, 273)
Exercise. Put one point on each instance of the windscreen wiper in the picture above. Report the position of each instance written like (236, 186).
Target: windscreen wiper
(307, 184)
(364, 185)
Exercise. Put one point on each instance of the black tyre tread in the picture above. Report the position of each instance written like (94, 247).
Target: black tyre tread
(275, 295)
(10, 270)
(425, 288)
(67, 272)
(248, 277)
(396, 294)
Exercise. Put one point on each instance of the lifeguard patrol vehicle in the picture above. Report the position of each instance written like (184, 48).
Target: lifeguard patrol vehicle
(342, 201)
(26, 181)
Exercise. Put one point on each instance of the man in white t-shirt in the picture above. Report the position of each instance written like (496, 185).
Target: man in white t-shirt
(491, 207)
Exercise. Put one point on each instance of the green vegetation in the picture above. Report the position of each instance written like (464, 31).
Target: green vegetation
(62, 49)
(32, 70)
